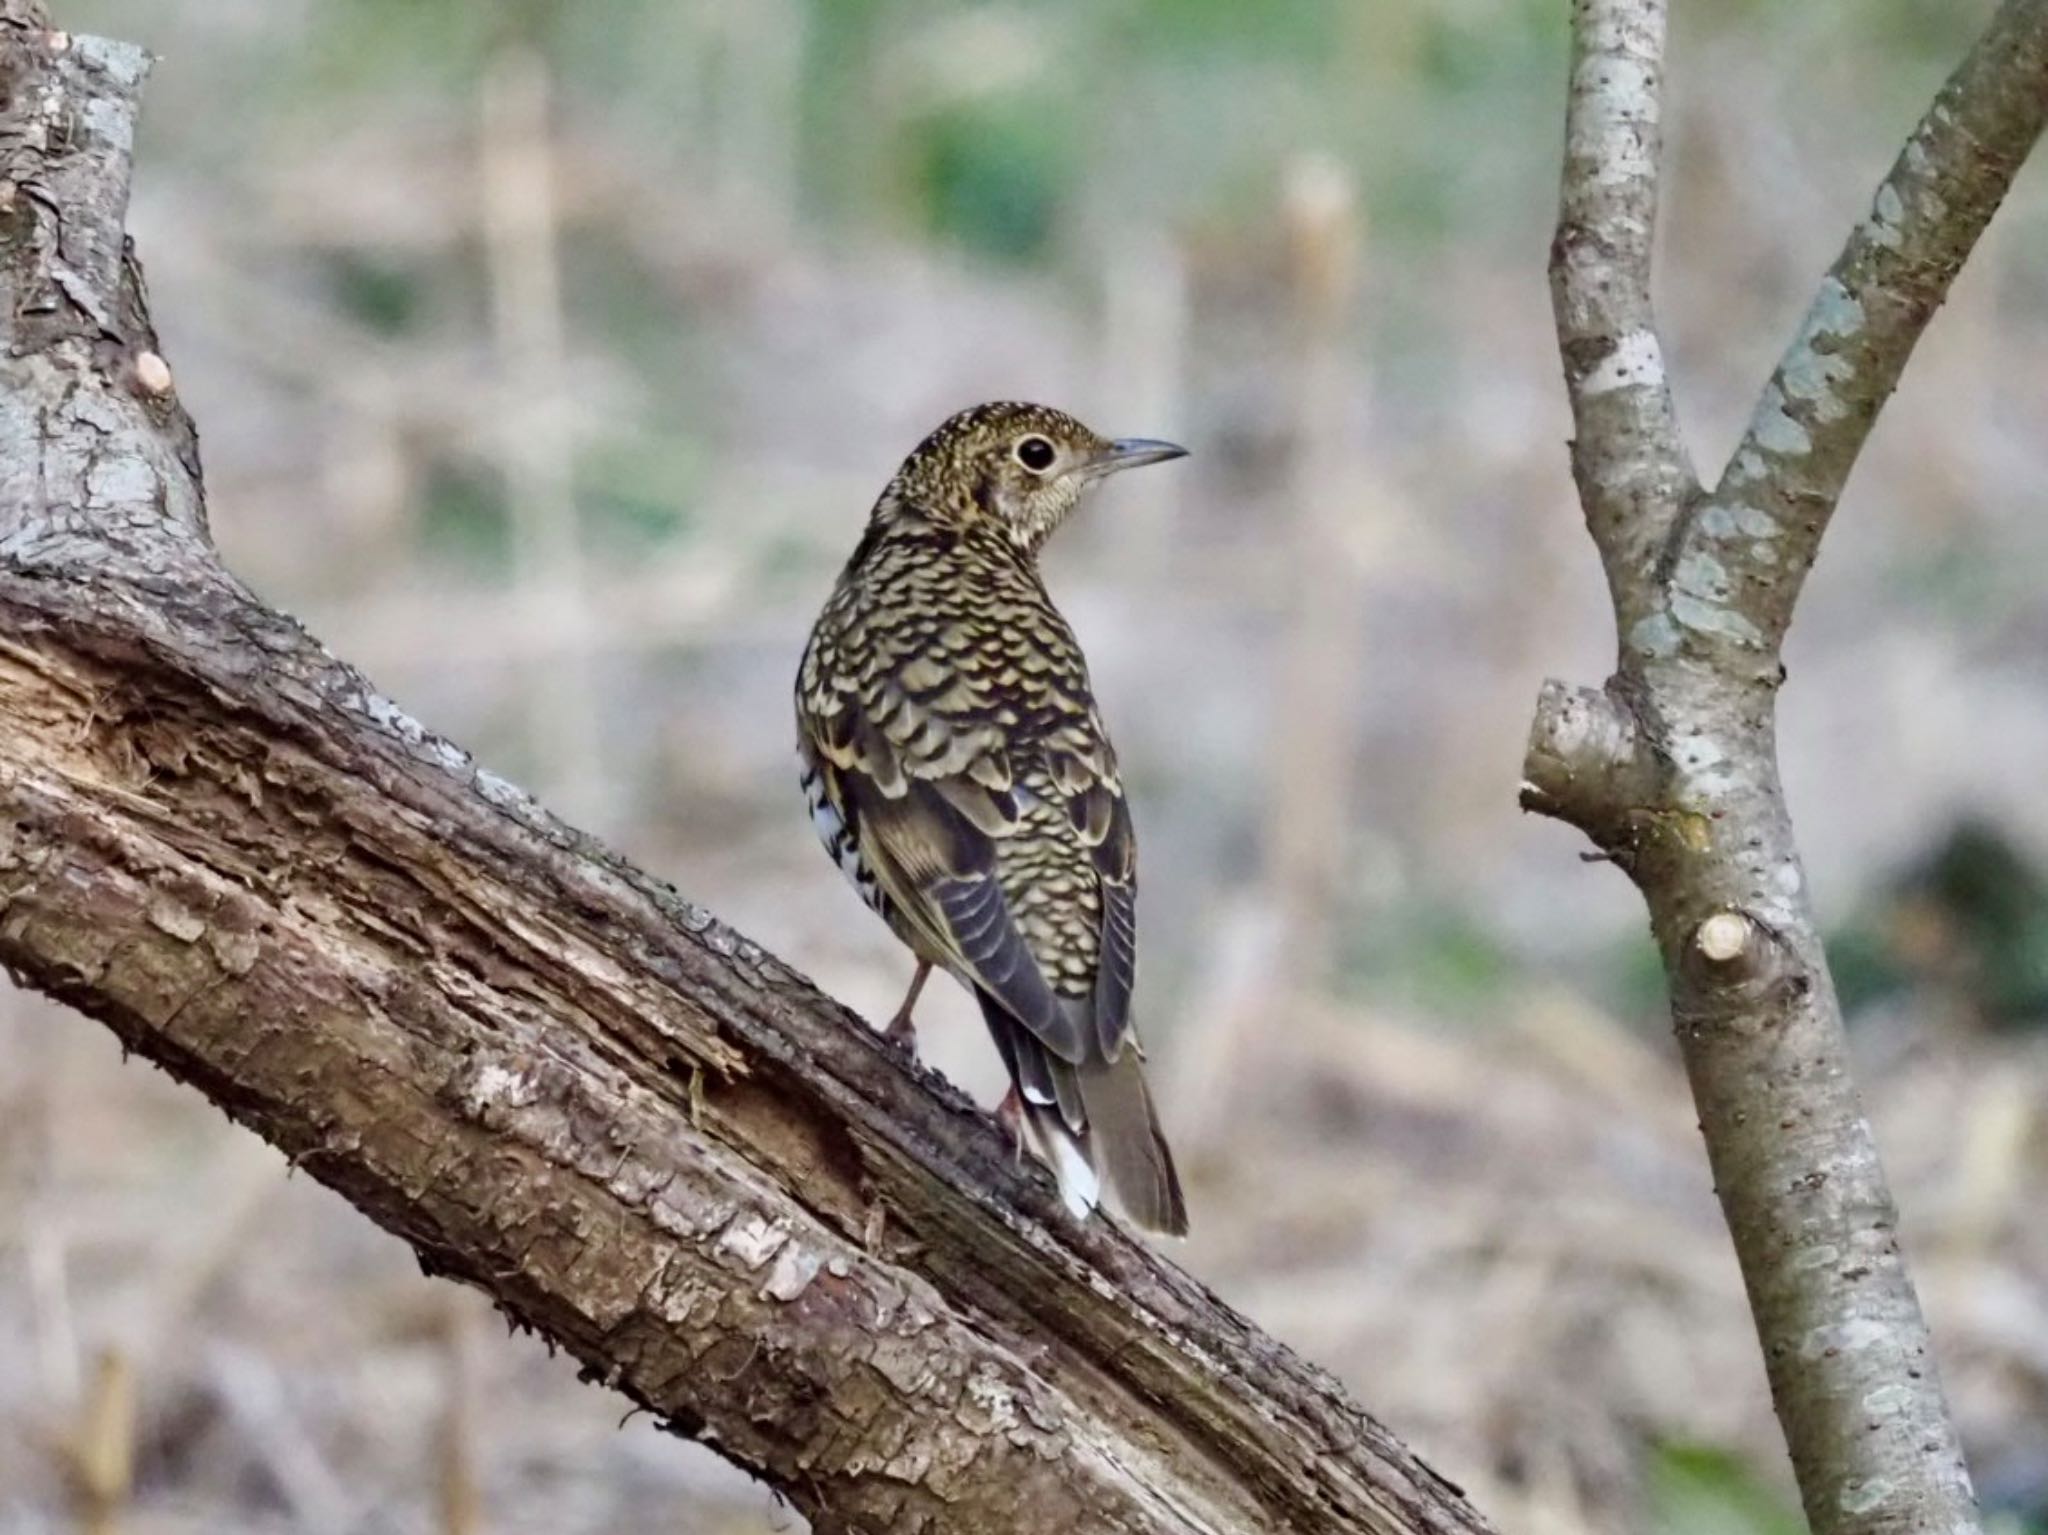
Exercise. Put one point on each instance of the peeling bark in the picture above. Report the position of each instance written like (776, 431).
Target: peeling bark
(1671, 768)
(644, 1137)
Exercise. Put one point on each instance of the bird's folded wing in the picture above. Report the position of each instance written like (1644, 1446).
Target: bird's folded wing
(934, 799)
(940, 868)
(1104, 821)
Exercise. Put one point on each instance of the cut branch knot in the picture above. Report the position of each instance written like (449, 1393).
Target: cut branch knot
(1731, 962)
(1724, 937)
(1584, 763)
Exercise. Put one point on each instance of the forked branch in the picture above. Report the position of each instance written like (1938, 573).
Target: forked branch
(1672, 770)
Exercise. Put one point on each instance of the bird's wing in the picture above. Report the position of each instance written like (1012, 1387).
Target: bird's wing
(940, 865)
(1103, 819)
(925, 773)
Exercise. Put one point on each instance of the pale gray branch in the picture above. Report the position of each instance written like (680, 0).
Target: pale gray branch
(1672, 768)
(1628, 455)
(1745, 556)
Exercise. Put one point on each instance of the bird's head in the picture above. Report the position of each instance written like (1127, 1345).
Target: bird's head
(1022, 467)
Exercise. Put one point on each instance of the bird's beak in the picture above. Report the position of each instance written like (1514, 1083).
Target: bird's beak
(1132, 453)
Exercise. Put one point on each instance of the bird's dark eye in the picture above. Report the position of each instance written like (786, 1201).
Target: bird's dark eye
(1036, 454)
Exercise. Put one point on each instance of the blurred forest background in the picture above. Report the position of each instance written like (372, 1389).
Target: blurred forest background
(546, 360)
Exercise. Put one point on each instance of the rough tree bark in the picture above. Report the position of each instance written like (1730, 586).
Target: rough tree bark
(1671, 767)
(642, 1136)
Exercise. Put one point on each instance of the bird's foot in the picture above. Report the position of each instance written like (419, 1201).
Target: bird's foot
(1010, 1116)
(902, 1033)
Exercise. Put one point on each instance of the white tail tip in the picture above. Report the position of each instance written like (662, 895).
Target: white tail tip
(1080, 1186)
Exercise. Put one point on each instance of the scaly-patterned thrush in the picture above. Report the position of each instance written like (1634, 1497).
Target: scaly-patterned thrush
(959, 774)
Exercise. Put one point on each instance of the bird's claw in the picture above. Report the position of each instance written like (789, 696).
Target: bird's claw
(1010, 1118)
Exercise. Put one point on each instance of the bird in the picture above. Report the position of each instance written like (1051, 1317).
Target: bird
(958, 771)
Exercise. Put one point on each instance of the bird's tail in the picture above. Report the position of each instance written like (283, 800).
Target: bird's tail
(1094, 1124)
(1124, 1143)
(1066, 1152)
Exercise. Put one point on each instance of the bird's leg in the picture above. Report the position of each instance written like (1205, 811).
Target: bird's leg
(1010, 1115)
(901, 1031)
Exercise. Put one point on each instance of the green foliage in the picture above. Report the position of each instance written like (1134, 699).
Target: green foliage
(1966, 921)
(1955, 573)
(1865, 965)
(1437, 956)
(382, 293)
(1934, 29)
(1301, 29)
(1702, 1490)
(1485, 51)
(464, 522)
(364, 45)
(991, 174)
(1630, 978)
(635, 493)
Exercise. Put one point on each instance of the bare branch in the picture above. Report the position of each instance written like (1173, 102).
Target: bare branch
(1628, 456)
(1746, 555)
(1672, 768)
(641, 1135)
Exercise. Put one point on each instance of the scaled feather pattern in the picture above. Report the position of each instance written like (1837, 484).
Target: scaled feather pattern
(959, 773)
